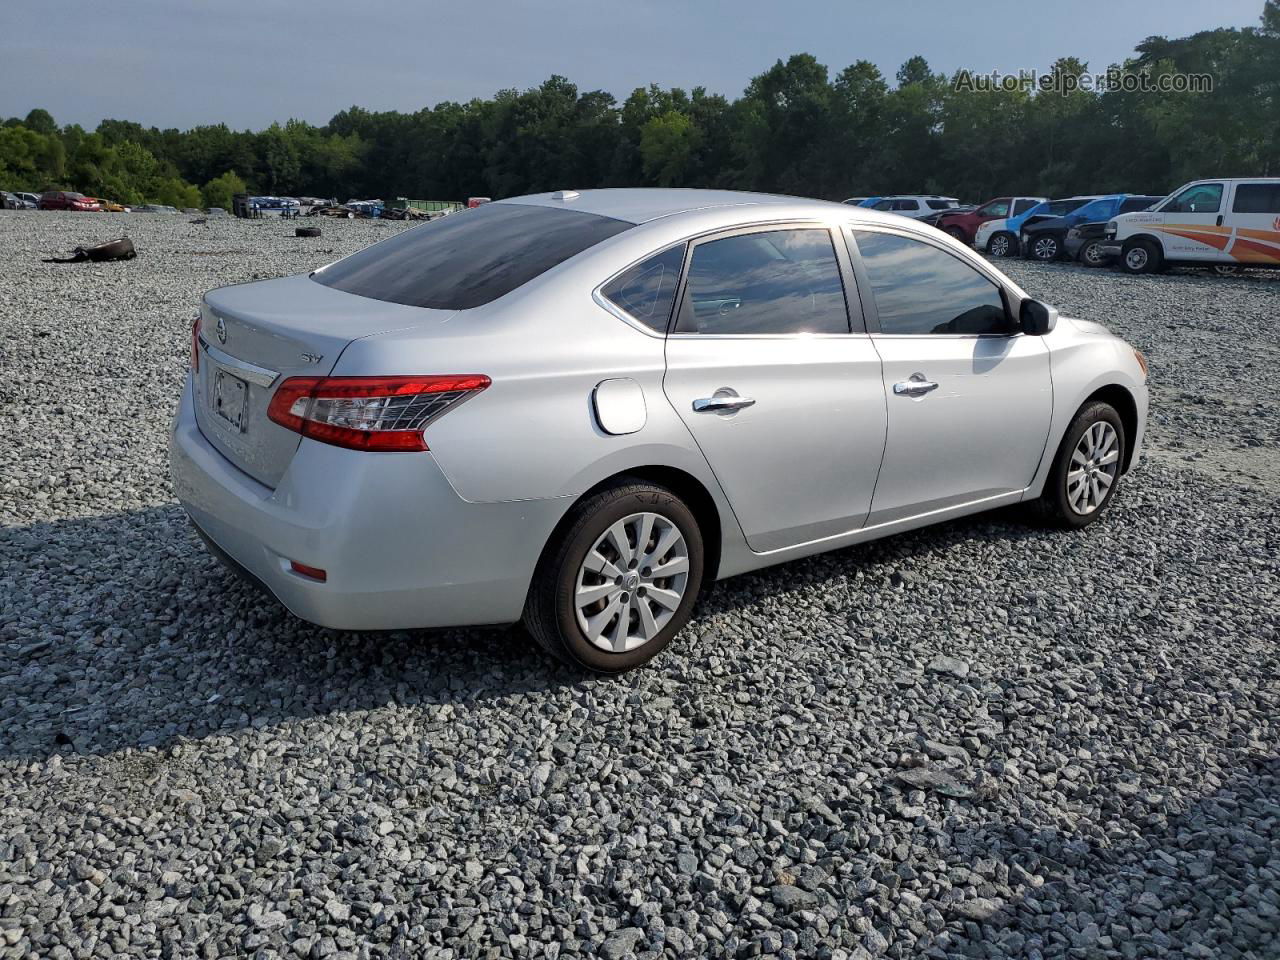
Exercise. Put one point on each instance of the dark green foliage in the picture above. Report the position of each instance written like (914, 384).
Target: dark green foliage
(796, 129)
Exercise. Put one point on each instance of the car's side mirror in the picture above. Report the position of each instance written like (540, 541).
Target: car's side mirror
(1036, 318)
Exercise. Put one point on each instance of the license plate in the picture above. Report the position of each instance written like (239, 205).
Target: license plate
(230, 396)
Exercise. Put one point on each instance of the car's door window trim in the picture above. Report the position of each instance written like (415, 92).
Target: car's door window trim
(598, 296)
(872, 314)
(856, 327)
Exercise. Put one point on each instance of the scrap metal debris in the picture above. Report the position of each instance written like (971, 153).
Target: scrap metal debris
(121, 249)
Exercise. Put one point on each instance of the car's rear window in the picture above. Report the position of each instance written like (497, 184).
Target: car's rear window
(469, 258)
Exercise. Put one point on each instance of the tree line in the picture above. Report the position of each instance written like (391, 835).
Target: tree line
(796, 129)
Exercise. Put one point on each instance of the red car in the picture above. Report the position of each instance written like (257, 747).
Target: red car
(67, 200)
(964, 225)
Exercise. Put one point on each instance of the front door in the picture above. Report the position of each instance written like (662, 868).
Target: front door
(785, 402)
(1194, 224)
(969, 400)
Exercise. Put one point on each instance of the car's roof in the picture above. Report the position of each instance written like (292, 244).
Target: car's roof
(642, 204)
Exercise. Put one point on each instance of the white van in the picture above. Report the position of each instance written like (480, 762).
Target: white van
(1222, 224)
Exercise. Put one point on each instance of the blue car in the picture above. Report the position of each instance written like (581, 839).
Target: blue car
(1000, 238)
(1045, 237)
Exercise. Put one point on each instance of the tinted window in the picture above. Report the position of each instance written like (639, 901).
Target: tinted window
(905, 205)
(647, 290)
(996, 208)
(940, 204)
(1022, 206)
(1137, 204)
(1257, 198)
(782, 281)
(883, 205)
(468, 258)
(919, 289)
(1060, 208)
(1200, 198)
(1096, 210)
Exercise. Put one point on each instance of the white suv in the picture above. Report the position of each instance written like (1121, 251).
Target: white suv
(916, 207)
(1222, 224)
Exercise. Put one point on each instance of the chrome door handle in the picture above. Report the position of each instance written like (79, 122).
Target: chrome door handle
(917, 386)
(721, 403)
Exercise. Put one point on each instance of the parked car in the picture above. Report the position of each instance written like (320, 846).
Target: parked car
(611, 417)
(1222, 224)
(1045, 238)
(963, 224)
(67, 200)
(10, 201)
(1085, 241)
(108, 206)
(999, 238)
(915, 207)
(32, 200)
(858, 201)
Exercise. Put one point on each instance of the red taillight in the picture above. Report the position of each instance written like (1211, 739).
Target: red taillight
(369, 413)
(315, 573)
(195, 345)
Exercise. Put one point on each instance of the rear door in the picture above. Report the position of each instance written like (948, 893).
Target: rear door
(1194, 225)
(1255, 222)
(969, 399)
(781, 394)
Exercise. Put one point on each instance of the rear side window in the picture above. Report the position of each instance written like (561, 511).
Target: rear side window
(906, 205)
(940, 204)
(469, 258)
(1022, 206)
(775, 282)
(919, 289)
(647, 291)
(1257, 198)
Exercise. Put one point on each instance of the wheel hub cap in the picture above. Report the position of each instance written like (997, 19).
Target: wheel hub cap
(631, 582)
(1094, 465)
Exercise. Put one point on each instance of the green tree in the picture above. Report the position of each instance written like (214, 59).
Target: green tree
(219, 191)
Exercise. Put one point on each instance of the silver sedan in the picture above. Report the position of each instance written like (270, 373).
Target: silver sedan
(580, 409)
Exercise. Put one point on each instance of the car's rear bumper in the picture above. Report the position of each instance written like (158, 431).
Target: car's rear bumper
(399, 547)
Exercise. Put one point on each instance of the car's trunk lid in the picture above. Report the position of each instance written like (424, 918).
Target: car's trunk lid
(255, 336)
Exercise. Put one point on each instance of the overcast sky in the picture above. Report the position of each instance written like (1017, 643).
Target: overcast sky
(179, 63)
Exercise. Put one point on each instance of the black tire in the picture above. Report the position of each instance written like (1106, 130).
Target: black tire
(1054, 505)
(549, 613)
(1141, 256)
(306, 231)
(957, 234)
(1002, 244)
(1045, 247)
(1091, 254)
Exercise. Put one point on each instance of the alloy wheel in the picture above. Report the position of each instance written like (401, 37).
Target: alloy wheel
(1094, 465)
(1093, 254)
(631, 582)
(999, 245)
(1046, 248)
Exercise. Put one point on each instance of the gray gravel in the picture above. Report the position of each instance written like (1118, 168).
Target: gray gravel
(980, 740)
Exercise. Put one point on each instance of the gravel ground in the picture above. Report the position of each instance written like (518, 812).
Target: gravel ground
(979, 740)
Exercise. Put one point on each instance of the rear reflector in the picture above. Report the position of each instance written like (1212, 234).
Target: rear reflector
(195, 344)
(315, 573)
(385, 414)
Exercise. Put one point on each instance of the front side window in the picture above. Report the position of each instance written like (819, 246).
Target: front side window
(1022, 206)
(940, 204)
(648, 290)
(996, 208)
(884, 205)
(774, 282)
(1257, 198)
(1197, 198)
(468, 258)
(922, 290)
(905, 205)
(1096, 210)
